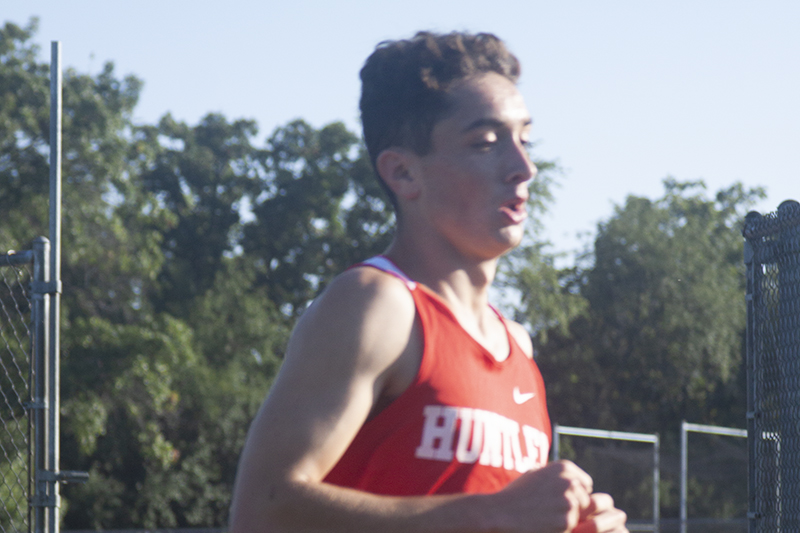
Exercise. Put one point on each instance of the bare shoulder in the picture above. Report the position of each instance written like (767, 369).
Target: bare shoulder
(521, 336)
(356, 329)
(340, 356)
(365, 285)
(359, 305)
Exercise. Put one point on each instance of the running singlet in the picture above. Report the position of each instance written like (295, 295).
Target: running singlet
(467, 424)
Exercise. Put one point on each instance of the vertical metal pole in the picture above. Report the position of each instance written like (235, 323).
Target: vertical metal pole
(55, 276)
(40, 315)
(753, 435)
(657, 484)
(684, 473)
(556, 443)
(778, 485)
(789, 316)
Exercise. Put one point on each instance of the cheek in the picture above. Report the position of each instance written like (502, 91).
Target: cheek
(458, 186)
(461, 185)
(460, 200)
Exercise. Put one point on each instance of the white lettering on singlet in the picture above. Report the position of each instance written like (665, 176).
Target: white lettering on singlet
(474, 435)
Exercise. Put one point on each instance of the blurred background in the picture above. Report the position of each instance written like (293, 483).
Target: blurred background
(214, 182)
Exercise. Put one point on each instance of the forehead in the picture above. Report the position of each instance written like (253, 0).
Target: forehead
(484, 100)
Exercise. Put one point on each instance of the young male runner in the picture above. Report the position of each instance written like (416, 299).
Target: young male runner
(406, 403)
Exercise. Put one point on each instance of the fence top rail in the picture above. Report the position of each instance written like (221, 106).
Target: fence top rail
(16, 258)
(603, 434)
(757, 225)
(715, 430)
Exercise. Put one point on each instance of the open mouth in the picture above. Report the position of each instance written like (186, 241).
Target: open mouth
(516, 210)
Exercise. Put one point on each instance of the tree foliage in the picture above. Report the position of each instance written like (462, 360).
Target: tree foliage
(538, 293)
(319, 210)
(661, 338)
(188, 251)
(201, 175)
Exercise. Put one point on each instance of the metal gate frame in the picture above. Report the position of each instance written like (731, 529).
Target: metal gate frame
(687, 427)
(619, 435)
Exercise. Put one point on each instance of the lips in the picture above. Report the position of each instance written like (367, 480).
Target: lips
(515, 210)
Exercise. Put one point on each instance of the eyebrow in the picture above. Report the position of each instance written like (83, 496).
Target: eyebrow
(490, 122)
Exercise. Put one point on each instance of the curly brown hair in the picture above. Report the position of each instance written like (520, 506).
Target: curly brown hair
(405, 84)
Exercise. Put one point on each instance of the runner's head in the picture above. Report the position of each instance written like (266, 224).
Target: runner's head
(405, 85)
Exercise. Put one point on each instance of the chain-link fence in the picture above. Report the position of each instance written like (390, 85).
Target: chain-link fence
(772, 256)
(15, 391)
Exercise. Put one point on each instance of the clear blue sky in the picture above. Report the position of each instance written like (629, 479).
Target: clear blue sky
(623, 93)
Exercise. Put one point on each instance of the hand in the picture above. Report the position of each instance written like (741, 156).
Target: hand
(553, 499)
(601, 516)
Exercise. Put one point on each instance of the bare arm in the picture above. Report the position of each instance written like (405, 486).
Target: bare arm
(357, 342)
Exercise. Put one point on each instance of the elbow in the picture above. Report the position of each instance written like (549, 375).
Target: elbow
(255, 511)
(268, 508)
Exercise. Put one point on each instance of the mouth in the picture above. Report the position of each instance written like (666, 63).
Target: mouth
(515, 210)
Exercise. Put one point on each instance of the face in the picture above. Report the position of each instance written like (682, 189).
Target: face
(474, 181)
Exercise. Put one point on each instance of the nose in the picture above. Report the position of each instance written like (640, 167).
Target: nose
(521, 168)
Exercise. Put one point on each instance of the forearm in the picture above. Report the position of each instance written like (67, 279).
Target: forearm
(312, 507)
(553, 499)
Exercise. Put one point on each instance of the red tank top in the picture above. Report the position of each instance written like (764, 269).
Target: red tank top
(467, 424)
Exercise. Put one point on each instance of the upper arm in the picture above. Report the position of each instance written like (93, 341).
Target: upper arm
(340, 354)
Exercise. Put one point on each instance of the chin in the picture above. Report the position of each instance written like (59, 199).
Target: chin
(512, 237)
(506, 246)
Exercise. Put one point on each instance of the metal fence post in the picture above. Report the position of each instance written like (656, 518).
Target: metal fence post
(657, 482)
(684, 474)
(40, 316)
(53, 385)
(788, 261)
(749, 262)
(556, 443)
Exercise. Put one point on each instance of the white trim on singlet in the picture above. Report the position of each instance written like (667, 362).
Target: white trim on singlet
(385, 264)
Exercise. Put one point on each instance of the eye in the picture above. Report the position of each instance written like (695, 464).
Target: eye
(483, 145)
(486, 141)
(525, 138)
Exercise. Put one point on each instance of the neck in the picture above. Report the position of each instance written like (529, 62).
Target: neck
(461, 281)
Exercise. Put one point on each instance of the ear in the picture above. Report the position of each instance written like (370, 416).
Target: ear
(396, 168)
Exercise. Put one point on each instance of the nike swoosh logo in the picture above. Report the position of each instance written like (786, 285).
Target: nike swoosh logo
(520, 398)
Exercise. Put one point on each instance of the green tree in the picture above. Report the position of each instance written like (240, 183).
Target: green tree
(201, 175)
(24, 117)
(135, 381)
(319, 211)
(661, 340)
(102, 223)
(538, 294)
